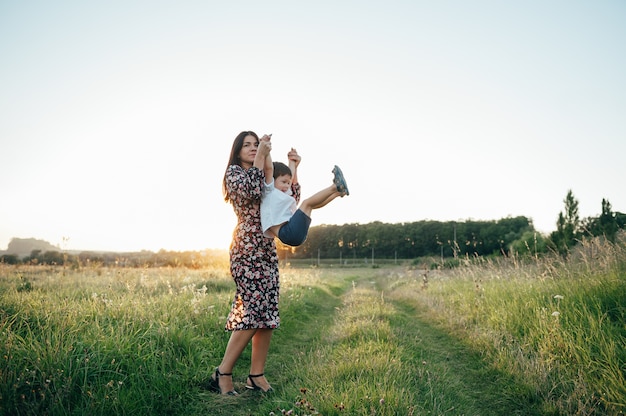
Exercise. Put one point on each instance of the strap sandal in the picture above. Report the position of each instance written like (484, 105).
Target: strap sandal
(340, 181)
(254, 386)
(214, 383)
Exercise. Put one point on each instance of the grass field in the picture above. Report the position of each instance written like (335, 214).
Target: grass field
(539, 337)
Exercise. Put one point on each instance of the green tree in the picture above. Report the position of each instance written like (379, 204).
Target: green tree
(608, 222)
(568, 226)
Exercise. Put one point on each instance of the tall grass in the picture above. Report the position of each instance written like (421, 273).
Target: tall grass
(558, 324)
(514, 336)
(107, 341)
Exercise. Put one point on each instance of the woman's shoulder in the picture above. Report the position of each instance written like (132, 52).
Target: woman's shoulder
(236, 173)
(234, 169)
(241, 169)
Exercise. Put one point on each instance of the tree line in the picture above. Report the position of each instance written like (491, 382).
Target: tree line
(144, 258)
(451, 239)
(411, 240)
(457, 238)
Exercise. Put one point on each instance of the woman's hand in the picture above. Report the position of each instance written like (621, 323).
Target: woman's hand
(293, 156)
(265, 146)
(294, 161)
(263, 160)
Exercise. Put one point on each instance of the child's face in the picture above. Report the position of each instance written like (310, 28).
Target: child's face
(283, 183)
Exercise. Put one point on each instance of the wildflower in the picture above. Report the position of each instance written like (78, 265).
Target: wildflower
(556, 314)
(558, 297)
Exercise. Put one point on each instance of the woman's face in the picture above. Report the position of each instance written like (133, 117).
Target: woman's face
(248, 151)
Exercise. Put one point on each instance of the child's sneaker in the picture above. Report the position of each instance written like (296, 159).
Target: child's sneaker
(340, 181)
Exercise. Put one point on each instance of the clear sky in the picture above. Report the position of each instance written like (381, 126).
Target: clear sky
(117, 117)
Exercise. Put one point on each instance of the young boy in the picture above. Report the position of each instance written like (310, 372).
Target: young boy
(280, 215)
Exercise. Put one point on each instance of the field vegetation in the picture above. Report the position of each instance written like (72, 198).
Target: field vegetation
(516, 336)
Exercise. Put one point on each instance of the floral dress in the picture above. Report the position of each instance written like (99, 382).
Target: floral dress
(253, 258)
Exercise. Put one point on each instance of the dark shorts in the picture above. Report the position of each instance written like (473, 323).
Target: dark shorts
(294, 232)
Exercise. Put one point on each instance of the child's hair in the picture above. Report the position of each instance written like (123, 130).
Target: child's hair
(281, 169)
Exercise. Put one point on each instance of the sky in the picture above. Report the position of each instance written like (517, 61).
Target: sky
(117, 117)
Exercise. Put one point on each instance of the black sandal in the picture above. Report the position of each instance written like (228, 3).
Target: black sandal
(254, 386)
(214, 384)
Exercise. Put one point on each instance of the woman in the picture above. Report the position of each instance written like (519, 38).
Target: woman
(253, 265)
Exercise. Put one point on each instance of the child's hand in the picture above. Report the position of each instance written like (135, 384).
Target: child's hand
(294, 156)
(265, 146)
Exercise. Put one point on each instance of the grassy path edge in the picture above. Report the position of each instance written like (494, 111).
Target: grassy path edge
(375, 354)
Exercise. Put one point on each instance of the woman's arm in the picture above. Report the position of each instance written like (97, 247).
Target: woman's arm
(263, 158)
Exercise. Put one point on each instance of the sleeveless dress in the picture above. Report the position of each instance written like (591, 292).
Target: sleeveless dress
(253, 258)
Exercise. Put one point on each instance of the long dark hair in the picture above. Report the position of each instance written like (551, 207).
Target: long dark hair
(234, 157)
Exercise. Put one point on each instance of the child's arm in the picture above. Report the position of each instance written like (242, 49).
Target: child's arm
(294, 161)
(268, 166)
(268, 169)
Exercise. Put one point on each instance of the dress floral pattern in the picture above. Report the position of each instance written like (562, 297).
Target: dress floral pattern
(253, 258)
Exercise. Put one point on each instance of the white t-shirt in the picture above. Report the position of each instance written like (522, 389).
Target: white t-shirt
(276, 207)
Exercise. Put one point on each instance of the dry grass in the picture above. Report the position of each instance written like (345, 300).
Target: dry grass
(556, 323)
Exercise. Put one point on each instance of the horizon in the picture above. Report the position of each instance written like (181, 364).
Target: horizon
(78, 250)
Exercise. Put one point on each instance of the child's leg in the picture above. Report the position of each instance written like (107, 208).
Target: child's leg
(273, 230)
(319, 199)
(294, 232)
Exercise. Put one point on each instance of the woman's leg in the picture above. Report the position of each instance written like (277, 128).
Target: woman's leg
(260, 348)
(236, 344)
